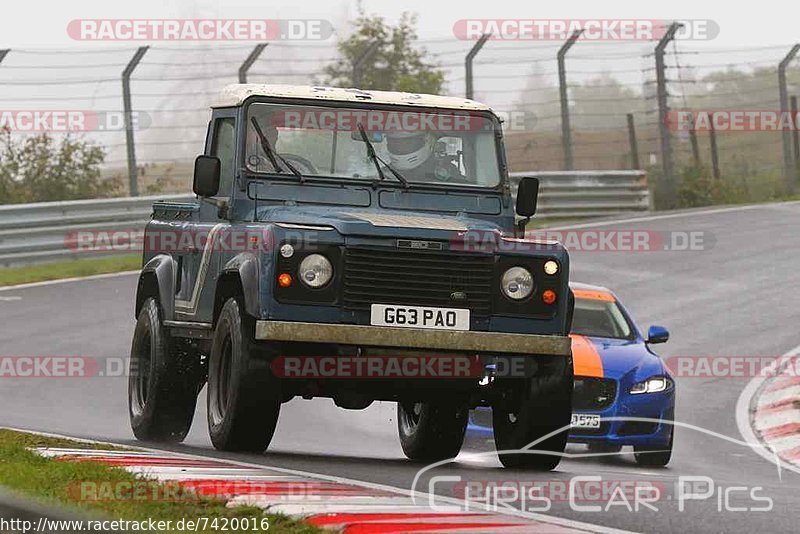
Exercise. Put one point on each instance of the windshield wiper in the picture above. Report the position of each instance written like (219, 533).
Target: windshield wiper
(272, 155)
(377, 161)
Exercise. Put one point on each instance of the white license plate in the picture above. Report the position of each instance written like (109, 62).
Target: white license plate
(419, 317)
(585, 420)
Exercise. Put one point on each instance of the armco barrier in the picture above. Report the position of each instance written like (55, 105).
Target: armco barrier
(34, 233)
(584, 194)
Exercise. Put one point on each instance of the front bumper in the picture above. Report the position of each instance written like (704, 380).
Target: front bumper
(414, 338)
(619, 431)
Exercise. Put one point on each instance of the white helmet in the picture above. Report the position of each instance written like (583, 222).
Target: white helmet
(408, 150)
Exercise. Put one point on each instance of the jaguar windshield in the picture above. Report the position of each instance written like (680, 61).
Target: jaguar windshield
(439, 147)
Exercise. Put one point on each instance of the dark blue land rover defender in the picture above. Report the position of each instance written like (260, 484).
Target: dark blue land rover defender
(340, 226)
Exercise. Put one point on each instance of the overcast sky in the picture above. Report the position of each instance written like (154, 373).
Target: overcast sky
(176, 81)
(32, 23)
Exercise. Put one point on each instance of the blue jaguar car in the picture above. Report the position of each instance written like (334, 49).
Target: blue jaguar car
(624, 394)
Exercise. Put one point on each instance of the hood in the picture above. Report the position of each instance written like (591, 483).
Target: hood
(614, 358)
(366, 222)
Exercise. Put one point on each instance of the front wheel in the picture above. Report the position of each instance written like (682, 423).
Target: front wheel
(163, 382)
(430, 432)
(535, 417)
(243, 395)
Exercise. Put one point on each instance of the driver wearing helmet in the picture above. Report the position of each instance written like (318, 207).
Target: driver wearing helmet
(415, 156)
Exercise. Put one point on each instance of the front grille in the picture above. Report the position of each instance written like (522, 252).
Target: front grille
(417, 277)
(604, 425)
(593, 393)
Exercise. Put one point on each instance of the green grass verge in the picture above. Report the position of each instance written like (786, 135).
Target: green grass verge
(10, 276)
(50, 481)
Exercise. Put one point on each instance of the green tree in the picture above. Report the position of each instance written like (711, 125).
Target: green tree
(395, 65)
(39, 169)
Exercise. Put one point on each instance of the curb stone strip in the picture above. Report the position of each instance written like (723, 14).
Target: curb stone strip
(331, 505)
(776, 412)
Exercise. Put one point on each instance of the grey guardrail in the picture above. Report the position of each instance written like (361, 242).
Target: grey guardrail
(40, 232)
(34, 233)
(585, 194)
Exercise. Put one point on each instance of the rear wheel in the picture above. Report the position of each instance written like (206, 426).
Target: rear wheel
(164, 380)
(654, 456)
(430, 432)
(243, 395)
(540, 407)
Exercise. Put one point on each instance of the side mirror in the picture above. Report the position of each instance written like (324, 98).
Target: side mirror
(527, 196)
(206, 176)
(657, 334)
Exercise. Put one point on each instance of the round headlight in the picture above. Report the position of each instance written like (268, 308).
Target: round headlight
(517, 283)
(315, 270)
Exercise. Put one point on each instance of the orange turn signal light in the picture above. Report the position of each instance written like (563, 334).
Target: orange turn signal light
(284, 280)
(548, 296)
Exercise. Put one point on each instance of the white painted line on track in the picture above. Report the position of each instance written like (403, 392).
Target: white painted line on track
(68, 280)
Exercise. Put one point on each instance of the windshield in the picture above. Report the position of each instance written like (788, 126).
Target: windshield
(600, 318)
(447, 147)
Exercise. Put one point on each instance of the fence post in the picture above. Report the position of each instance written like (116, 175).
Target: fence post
(4, 53)
(795, 135)
(358, 64)
(468, 62)
(663, 109)
(788, 164)
(249, 61)
(634, 143)
(695, 146)
(566, 133)
(126, 103)
(712, 141)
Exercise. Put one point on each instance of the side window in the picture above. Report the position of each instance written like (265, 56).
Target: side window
(224, 148)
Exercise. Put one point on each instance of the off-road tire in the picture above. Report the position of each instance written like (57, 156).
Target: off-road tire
(430, 432)
(243, 395)
(164, 379)
(541, 406)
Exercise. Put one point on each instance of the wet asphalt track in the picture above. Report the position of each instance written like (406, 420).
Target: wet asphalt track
(738, 297)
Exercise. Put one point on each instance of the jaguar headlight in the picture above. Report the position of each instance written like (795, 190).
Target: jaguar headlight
(651, 385)
(517, 283)
(315, 271)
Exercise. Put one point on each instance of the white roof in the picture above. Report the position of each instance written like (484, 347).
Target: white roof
(235, 94)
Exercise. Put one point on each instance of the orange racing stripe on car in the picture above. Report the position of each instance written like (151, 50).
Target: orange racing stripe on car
(586, 360)
(593, 294)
